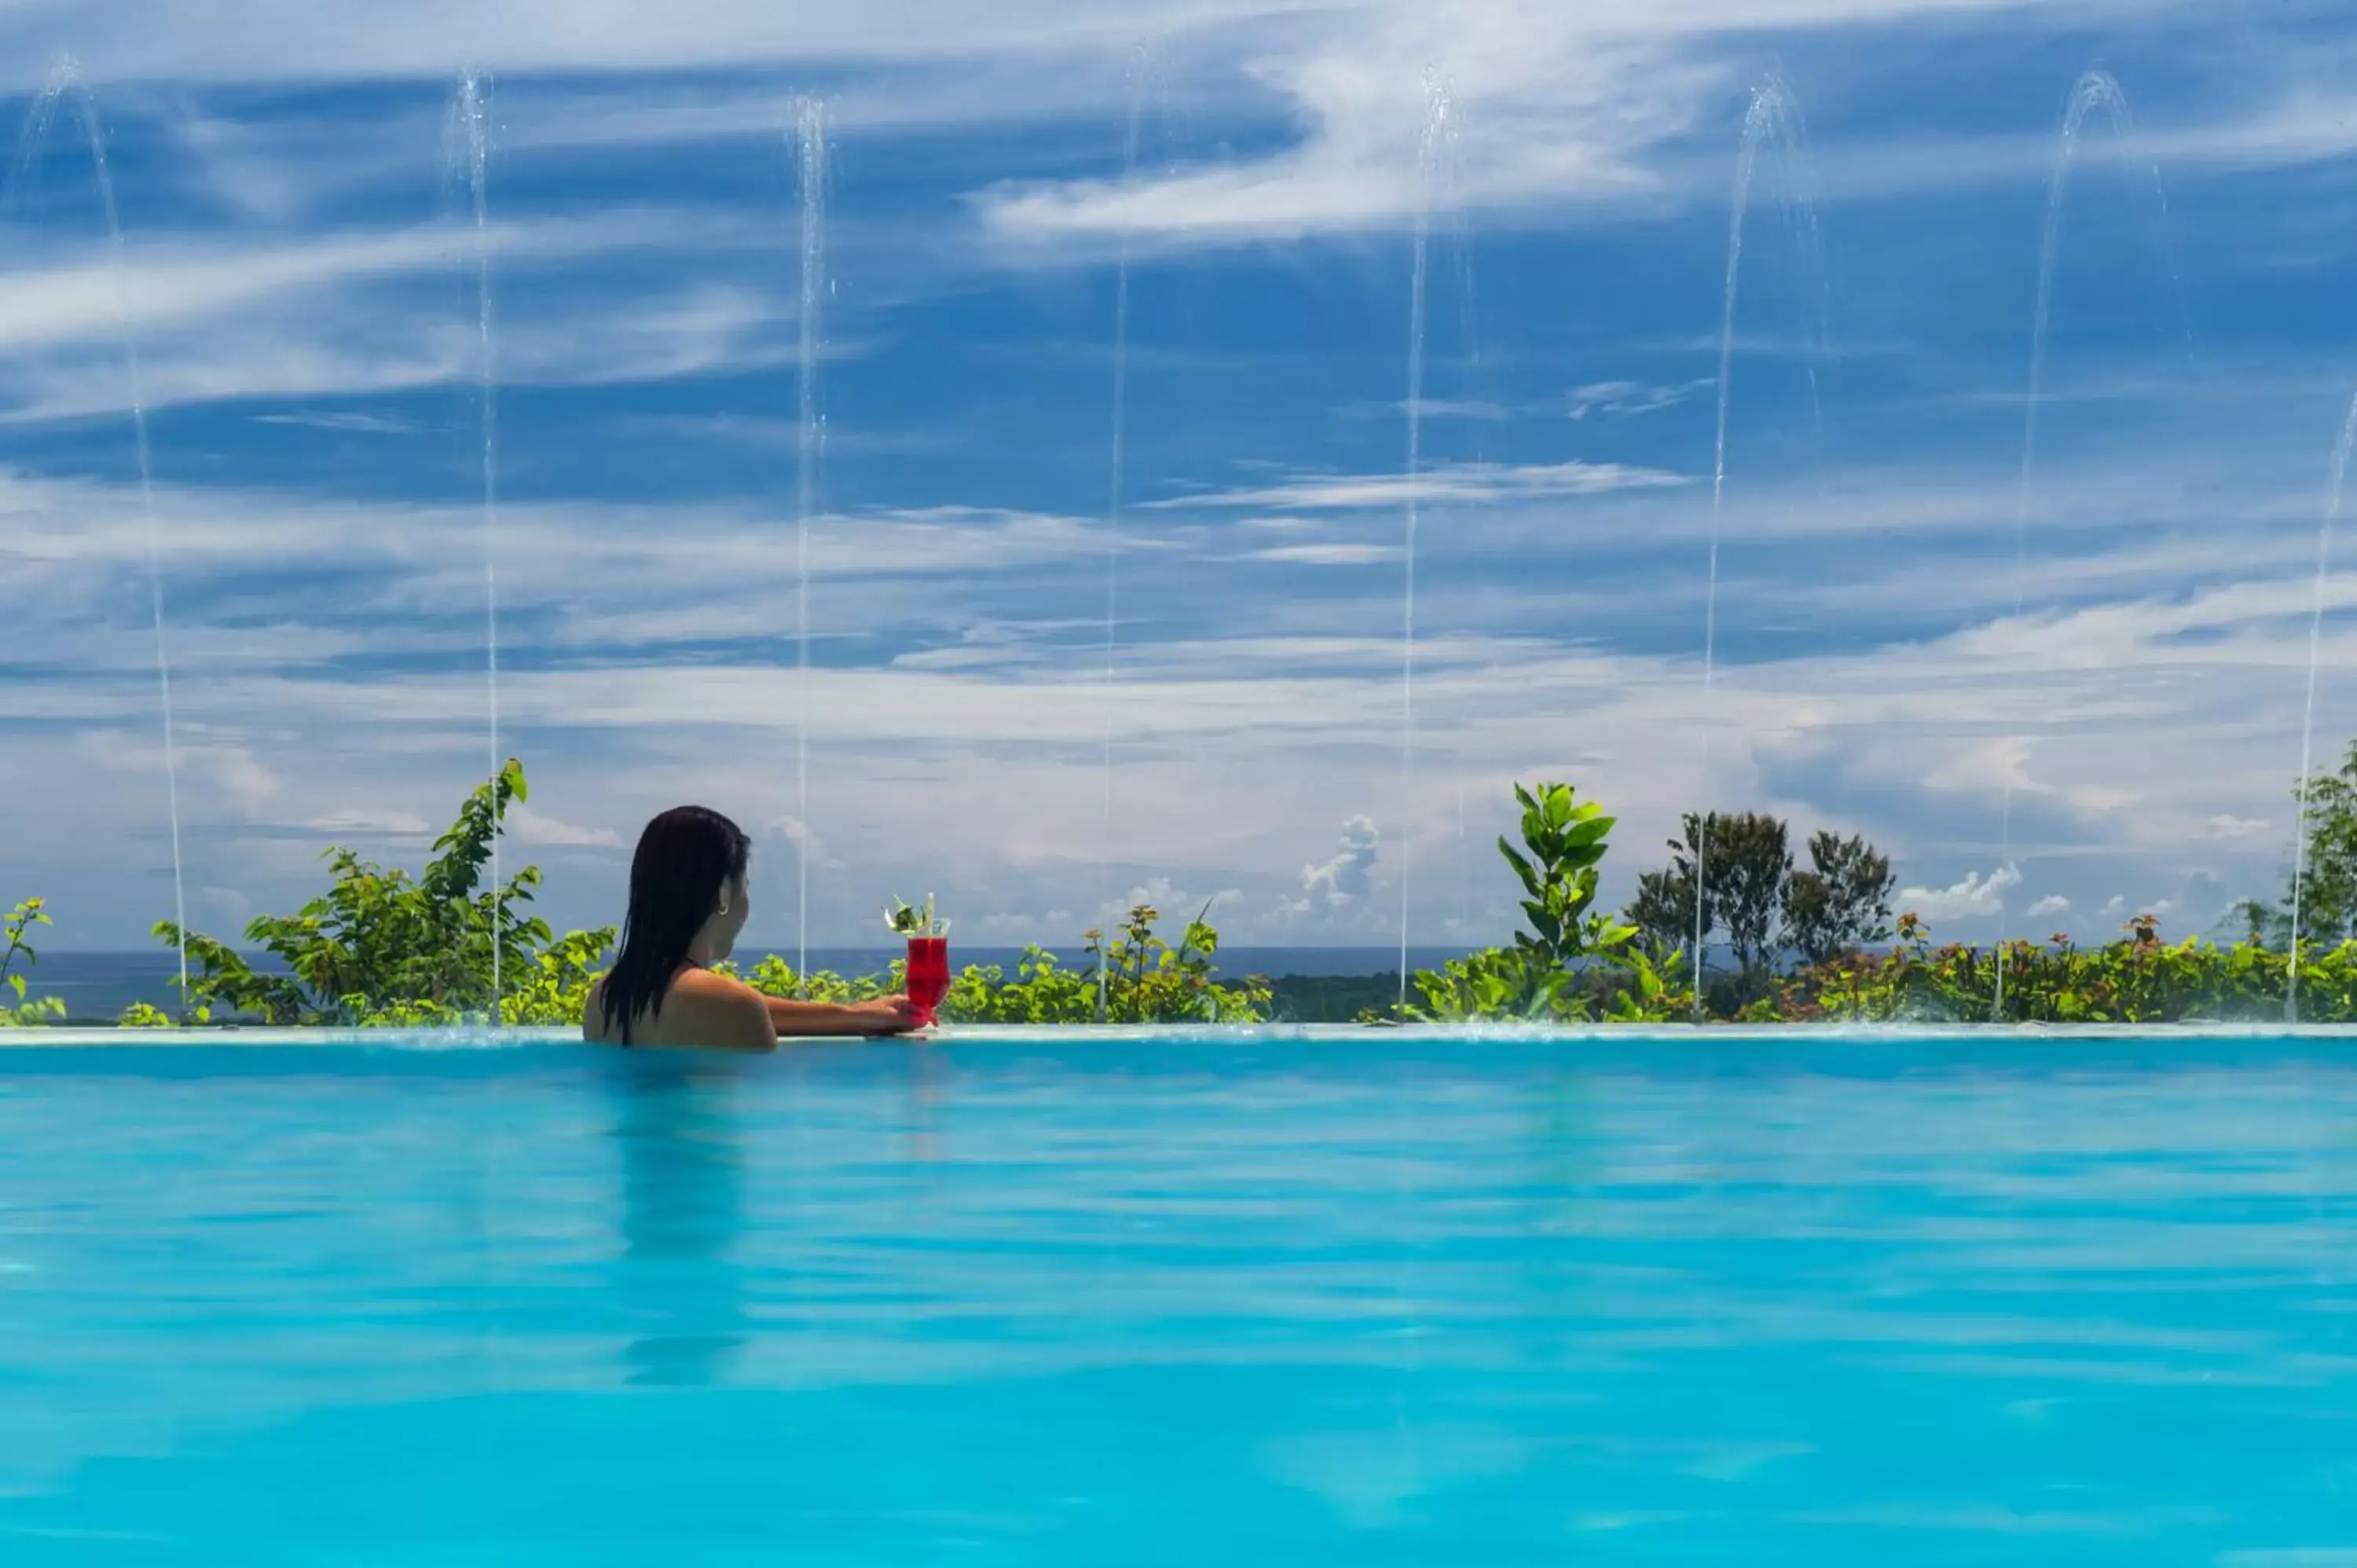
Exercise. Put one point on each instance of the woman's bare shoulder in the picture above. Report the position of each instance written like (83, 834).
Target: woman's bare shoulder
(706, 1009)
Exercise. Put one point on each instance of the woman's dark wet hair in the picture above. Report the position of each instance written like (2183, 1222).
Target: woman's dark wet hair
(684, 858)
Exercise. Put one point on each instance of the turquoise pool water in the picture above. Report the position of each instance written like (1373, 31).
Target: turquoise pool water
(1286, 1302)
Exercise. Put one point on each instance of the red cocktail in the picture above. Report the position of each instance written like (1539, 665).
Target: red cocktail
(929, 975)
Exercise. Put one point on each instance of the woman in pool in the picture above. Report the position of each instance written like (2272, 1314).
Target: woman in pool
(689, 898)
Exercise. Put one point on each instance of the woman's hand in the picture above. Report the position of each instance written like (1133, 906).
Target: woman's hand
(884, 1016)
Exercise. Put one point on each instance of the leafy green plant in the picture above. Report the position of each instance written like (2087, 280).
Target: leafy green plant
(2139, 979)
(1147, 980)
(554, 992)
(1573, 963)
(775, 977)
(382, 946)
(913, 920)
(14, 926)
(143, 1015)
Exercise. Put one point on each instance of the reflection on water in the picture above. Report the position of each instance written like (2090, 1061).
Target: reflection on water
(683, 1210)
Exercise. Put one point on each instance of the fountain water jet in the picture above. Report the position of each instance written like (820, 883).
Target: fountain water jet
(1115, 485)
(810, 132)
(2095, 89)
(64, 78)
(1435, 125)
(471, 114)
(1772, 111)
(2341, 452)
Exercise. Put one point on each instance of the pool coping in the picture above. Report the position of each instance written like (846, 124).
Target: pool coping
(75, 1036)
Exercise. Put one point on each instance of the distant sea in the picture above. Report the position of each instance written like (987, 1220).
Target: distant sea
(97, 986)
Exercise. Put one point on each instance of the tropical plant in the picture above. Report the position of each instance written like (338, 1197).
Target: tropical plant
(2139, 979)
(1146, 981)
(554, 992)
(2323, 890)
(1573, 963)
(1767, 910)
(16, 1011)
(1841, 903)
(381, 947)
(1664, 910)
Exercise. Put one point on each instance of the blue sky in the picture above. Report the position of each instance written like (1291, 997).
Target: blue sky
(298, 278)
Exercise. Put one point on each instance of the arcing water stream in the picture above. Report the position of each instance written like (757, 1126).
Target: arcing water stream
(1772, 111)
(810, 146)
(2341, 452)
(64, 78)
(471, 121)
(2095, 89)
(1436, 126)
(1114, 488)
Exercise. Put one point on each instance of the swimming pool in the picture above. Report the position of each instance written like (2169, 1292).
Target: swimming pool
(1042, 1300)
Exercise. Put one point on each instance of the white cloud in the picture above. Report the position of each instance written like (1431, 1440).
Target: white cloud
(362, 822)
(2226, 825)
(809, 845)
(1340, 885)
(238, 774)
(267, 41)
(351, 423)
(1173, 906)
(530, 827)
(1555, 105)
(1326, 555)
(1987, 768)
(1974, 898)
(1443, 482)
(1621, 400)
(1242, 732)
(163, 284)
(2052, 904)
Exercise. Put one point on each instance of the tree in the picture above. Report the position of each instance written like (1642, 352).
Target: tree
(2325, 889)
(1765, 908)
(1746, 862)
(381, 945)
(1663, 909)
(1743, 862)
(1841, 903)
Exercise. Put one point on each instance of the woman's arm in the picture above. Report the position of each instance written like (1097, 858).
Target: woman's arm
(884, 1016)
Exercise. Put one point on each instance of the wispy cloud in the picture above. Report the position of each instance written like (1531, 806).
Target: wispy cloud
(1445, 482)
(353, 422)
(1621, 400)
(1325, 555)
(1978, 896)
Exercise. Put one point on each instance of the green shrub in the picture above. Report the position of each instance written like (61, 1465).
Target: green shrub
(1145, 980)
(1573, 964)
(18, 1012)
(382, 948)
(1767, 909)
(2139, 979)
